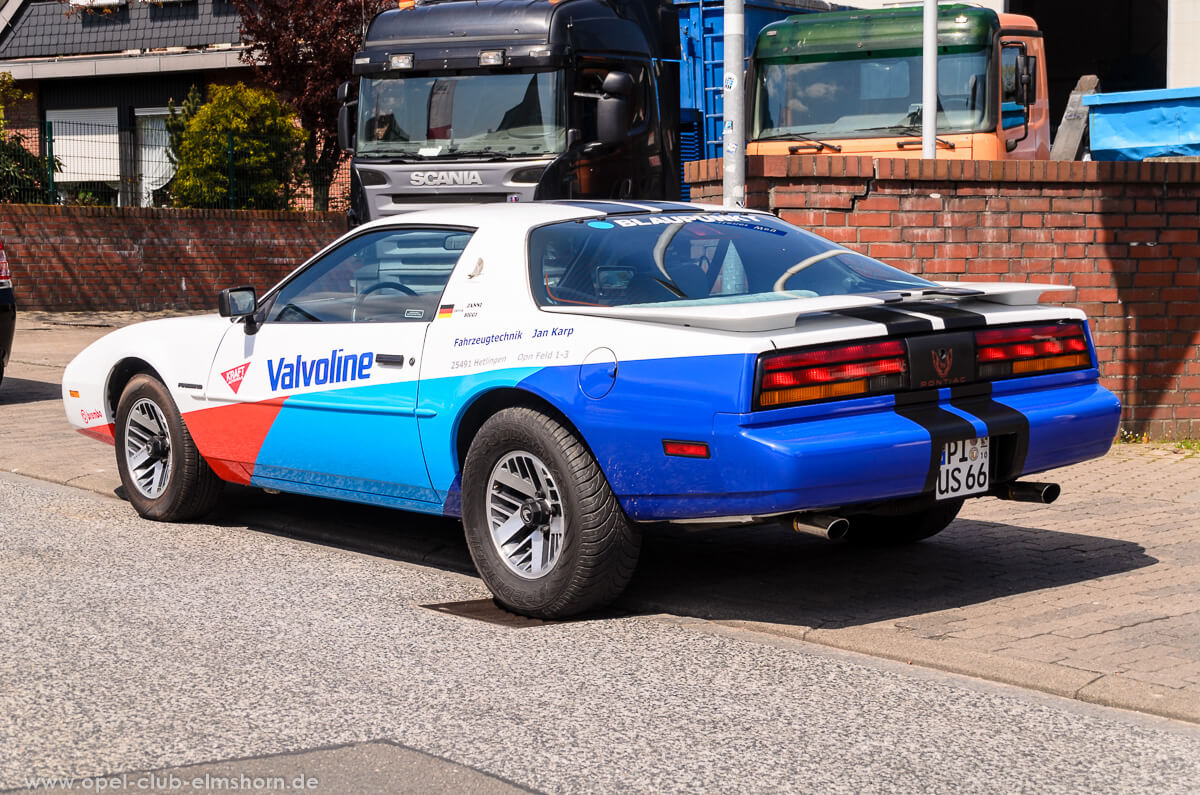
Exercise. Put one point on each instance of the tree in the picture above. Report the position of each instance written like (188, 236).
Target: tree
(23, 175)
(303, 49)
(240, 150)
(177, 120)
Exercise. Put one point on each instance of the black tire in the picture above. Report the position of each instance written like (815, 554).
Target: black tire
(186, 487)
(903, 528)
(596, 545)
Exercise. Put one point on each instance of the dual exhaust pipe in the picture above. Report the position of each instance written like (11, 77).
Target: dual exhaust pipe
(835, 528)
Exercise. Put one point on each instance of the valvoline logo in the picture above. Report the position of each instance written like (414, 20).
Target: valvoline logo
(335, 368)
(235, 376)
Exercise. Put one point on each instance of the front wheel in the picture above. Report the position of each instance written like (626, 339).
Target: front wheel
(904, 528)
(164, 476)
(544, 529)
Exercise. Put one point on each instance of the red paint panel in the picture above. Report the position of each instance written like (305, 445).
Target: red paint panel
(229, 437)
(105, 433)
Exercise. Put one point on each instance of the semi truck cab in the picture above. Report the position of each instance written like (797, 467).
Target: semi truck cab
(849, 83)
(512, 100)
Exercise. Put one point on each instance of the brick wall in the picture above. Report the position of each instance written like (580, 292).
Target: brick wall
(1126, 235)
(80, 258)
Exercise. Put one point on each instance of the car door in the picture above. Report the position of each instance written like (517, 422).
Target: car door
(326, 385)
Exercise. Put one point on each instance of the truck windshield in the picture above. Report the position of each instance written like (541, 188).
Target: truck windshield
(697, 259)
(862, 98)
(499, 114)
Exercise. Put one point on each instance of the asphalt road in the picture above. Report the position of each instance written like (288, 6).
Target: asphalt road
(132, 646)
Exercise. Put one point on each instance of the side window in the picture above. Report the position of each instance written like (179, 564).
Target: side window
(1008, 73)
(389, 275)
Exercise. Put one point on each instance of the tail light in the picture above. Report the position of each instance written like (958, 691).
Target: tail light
(833, 372)
(1029, 350)
(5, 273)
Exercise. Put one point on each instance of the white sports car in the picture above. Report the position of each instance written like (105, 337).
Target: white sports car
(558, 373)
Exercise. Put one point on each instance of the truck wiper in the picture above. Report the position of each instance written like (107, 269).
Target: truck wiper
(908, 131)
(486, 154)
(813, 143)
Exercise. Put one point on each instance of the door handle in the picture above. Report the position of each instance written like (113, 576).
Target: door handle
(390, 359)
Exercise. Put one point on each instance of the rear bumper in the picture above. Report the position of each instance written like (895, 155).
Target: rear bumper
(836, 455)
(8, 322)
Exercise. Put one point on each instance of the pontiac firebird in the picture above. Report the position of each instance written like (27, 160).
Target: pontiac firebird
(559, 374)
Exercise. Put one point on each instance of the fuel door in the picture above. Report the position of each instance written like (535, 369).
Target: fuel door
(598, 373)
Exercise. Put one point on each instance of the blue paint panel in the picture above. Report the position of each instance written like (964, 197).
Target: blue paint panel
(360, 439)
(1066, 425)
(800, 458)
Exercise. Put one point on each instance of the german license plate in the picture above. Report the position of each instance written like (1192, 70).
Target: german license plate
(965, 468)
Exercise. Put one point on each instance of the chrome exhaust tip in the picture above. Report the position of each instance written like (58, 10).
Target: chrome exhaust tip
(833, 528)
(1044, 493)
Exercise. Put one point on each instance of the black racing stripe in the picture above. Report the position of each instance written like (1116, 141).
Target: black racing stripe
(952, 316)
(943, 426)
(896, 322)
(1002, 421)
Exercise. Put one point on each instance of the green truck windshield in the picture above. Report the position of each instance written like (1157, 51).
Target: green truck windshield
(858, 74)
(866, 98)
(501, 114)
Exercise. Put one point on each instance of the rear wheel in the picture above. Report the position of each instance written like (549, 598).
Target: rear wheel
(903, 528)
(165, 477)
(544, 529)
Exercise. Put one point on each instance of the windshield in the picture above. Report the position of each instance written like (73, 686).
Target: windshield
(857, 98)
(504, 115)
(697, 259)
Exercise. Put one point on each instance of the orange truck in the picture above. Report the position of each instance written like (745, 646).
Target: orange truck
(849, 83)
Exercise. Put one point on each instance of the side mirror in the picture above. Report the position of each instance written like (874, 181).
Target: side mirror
(612, 111)
(1026, 80)
(346, 118)
(345, 129)
(239, 302)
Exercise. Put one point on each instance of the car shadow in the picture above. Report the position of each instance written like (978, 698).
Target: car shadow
(764, 573)
(15, 391)
(772, 574)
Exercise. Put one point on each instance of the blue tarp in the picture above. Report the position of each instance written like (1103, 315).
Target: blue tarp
(1135, 125)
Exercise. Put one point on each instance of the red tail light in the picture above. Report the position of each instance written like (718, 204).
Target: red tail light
(5, 273)
(1027, 350)
(832, 372)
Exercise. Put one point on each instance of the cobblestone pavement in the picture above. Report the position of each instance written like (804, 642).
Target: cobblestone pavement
(1093, 597)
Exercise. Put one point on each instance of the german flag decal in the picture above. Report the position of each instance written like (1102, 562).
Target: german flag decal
(445, 310)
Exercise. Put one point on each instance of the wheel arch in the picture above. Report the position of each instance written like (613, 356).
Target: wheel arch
(120, 376)
(488, 403)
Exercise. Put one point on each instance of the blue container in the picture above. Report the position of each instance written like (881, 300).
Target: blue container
(702, 52)
(1135, 125)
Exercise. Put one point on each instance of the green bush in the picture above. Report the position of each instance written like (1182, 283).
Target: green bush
(23, 176)
(243, 133)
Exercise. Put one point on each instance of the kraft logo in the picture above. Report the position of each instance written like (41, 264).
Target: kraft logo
(332, 369)
(234, 377)
(436, 178)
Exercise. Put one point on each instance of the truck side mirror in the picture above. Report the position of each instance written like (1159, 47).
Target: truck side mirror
(346, 118)
(1026, 78)
(345, 127)
(612, 111)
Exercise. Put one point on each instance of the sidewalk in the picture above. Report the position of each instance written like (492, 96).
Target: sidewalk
(1094, 597)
